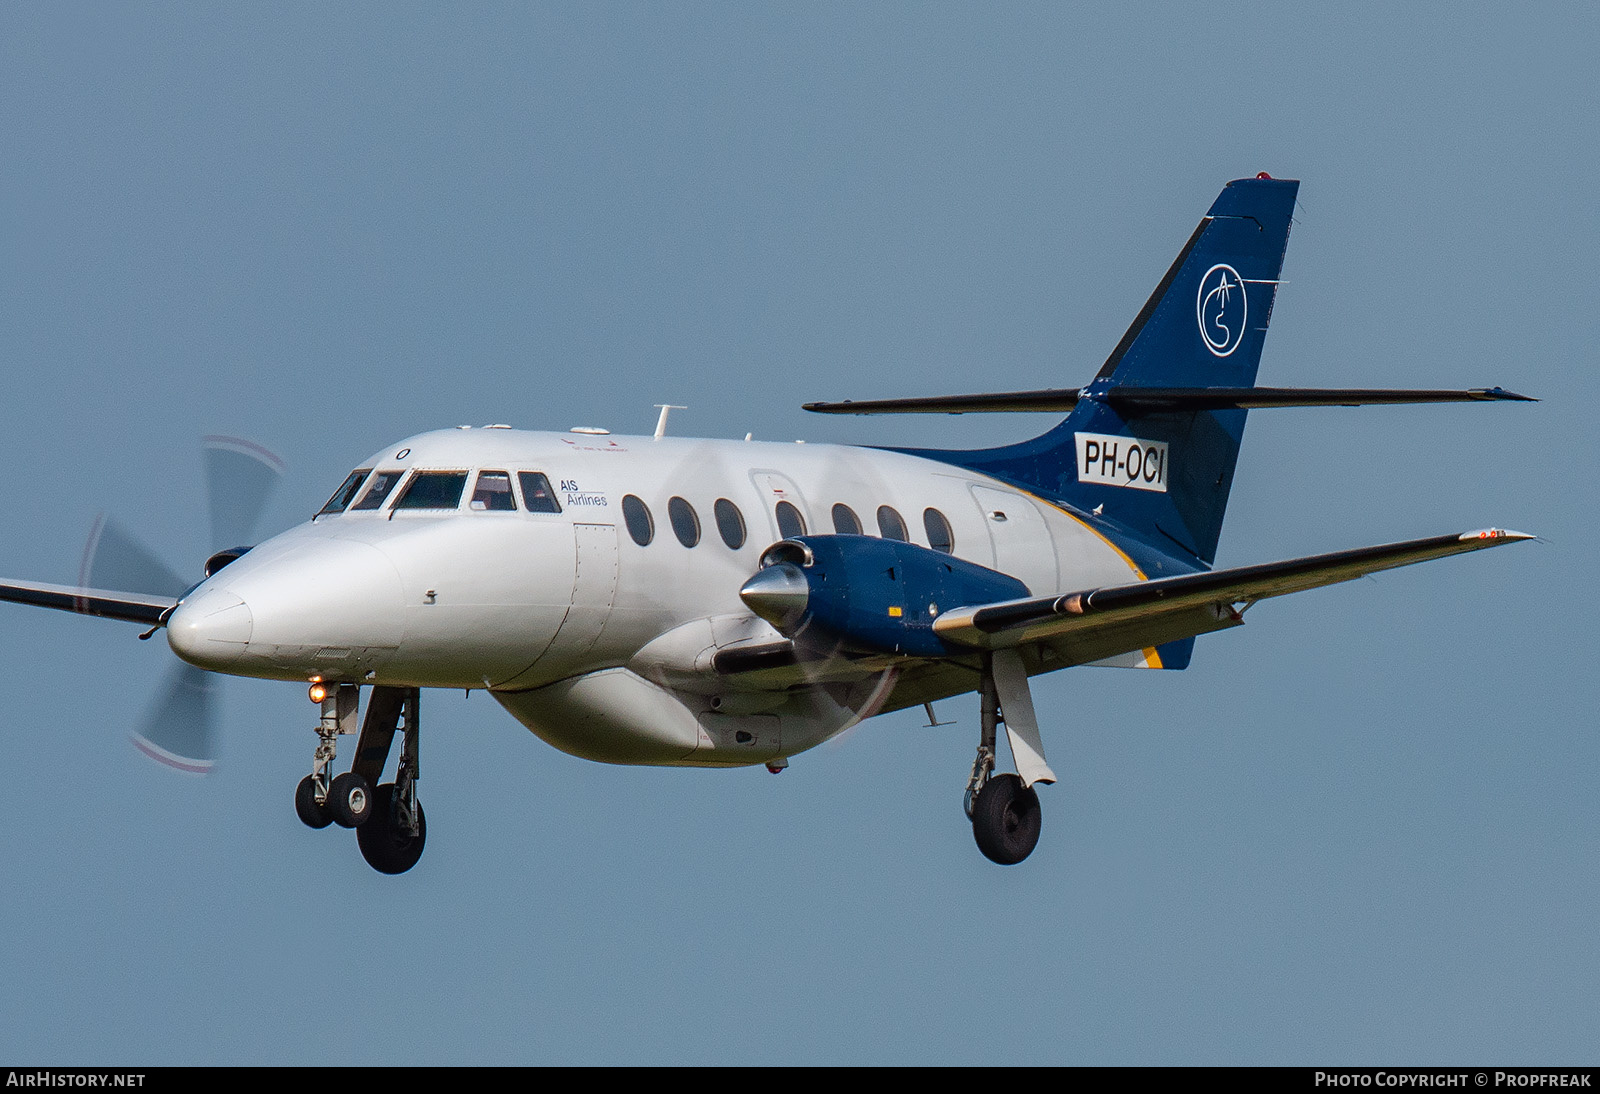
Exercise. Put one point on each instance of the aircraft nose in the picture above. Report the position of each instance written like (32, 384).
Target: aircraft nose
(211, 629)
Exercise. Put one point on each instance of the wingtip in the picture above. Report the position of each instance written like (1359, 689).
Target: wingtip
(1496, 535)
(1501, 394)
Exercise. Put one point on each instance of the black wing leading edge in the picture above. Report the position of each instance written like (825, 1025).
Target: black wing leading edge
(130, 607)
(1154, 603)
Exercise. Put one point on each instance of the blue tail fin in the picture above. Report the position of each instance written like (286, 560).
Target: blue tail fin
(1163, 474)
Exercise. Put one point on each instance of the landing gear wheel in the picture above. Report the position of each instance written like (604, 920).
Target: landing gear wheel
(387, 848)
(1005, 820)
(306, 807)
(349, 800)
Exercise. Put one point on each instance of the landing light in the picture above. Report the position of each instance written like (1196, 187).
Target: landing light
(318, 692)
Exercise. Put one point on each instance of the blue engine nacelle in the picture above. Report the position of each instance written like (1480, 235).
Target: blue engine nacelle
(874, 595)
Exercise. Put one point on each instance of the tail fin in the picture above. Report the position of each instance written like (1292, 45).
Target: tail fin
(1163, 473)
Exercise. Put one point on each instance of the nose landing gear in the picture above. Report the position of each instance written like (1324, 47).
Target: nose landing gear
(390, 826)
(312, 812)
(349, 800)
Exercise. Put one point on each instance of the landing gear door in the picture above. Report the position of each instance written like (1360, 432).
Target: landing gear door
(1022, 544)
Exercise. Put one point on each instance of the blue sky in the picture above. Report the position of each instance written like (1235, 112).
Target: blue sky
(1360, 829)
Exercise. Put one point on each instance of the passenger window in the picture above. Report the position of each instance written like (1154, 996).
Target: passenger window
(790, 522)
(845, 521)
(536, 493)
(940, 538)
(433, 490)
(378, 489)
(641, 526)
(685, 521)
(890, 524)
(730, 523)
(343, 495)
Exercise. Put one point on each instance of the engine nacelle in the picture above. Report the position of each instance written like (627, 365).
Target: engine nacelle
(873, 595)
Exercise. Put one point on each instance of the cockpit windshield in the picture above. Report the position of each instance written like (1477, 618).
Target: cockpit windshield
(377, 489)
(343, 495)
(433, 490)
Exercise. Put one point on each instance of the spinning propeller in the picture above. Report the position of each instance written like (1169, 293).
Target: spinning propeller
(179, 726)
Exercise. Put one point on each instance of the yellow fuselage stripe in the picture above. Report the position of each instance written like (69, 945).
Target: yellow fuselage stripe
(1152, 659)
(1132, 565)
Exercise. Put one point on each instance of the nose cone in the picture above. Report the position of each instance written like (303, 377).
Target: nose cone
(211, 629)
(779, 595)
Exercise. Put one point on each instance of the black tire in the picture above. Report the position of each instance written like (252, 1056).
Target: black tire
(1005, 820)
(306, 807)
(349, 800)
(387, 849)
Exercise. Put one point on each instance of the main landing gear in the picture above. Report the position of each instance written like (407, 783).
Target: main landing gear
(1004, 809)
(389, 822)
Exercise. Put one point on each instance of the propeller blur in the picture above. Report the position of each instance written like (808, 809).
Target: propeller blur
(179, 727)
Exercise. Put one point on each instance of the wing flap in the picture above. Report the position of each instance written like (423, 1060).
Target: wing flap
(1208, 596)
(1113, 638)
(145, 608)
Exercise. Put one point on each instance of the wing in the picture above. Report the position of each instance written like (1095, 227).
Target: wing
(1096, 623)
(143, 608)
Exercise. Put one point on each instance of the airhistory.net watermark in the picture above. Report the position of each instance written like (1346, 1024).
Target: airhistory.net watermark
(44, 1077)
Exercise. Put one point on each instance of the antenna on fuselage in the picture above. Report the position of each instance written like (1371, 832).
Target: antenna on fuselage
(661, 422)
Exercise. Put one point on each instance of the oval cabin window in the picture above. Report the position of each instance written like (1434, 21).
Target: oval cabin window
(940, 538)
(845, 521)
(641, 526)
(685, 521)
(790, 522)
(730, 523)
(891, 525)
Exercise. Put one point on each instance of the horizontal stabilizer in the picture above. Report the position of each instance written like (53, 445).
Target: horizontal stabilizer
(1131, 402)
(1001, 625)
(130, 607)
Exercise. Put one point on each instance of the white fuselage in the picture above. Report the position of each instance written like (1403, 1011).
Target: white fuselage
(597, 643)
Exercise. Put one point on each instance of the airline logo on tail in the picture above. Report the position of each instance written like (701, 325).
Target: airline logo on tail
(1221, 307)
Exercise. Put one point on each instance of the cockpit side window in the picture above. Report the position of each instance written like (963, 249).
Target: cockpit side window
(493, 492)
(536, 492)
(433, 490)
(342, 496)
(378, 488)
